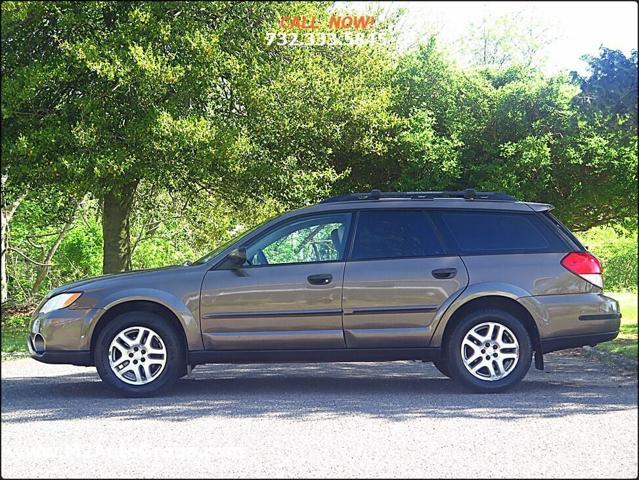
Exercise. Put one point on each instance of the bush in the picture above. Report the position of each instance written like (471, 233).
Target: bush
(80, 254)
(161, 252)
(616, 247)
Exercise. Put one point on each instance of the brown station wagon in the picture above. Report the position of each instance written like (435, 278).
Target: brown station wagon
(475, 282)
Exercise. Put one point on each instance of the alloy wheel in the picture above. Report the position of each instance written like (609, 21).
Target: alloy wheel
(490, 351)
(137, 355)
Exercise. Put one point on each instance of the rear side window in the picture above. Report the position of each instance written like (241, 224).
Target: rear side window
(497, 232)
(394, 234)
(563, 229)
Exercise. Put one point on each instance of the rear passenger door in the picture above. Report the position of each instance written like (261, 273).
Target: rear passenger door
(398, 276)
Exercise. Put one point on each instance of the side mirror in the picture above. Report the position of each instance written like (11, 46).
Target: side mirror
(237, 257)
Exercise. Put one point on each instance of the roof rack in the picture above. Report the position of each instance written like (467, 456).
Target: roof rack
(468, 194)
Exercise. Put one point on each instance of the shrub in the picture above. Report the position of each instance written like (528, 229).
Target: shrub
(616, 247)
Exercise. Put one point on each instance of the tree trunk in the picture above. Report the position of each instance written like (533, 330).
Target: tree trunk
(3, 261)
(6, 214)
(115, 229)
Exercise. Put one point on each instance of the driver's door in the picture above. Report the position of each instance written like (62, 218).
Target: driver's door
(288, 294)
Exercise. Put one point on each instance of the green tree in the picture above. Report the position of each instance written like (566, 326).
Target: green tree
(102, 96)
(610, 88)
(519, 38)
(548, 152)
(510, 129)
(179, 125)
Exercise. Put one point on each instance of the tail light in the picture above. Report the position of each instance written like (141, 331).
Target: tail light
(584, 265)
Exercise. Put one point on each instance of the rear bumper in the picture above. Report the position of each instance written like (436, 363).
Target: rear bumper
(582, 315)
(81, 358)
(572, 341)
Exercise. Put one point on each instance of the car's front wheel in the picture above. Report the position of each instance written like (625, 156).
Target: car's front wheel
(489, 351)
(139, 354)
(441, 365)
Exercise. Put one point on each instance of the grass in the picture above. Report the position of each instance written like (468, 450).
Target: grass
(626, 343)
(14, 332)
(14, 329)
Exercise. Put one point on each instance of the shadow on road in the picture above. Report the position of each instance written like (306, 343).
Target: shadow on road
(393, 391)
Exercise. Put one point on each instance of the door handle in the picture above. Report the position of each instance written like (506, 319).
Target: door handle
(444, 273)
(320, 279)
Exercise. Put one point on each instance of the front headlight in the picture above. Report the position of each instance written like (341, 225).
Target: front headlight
(59, 301)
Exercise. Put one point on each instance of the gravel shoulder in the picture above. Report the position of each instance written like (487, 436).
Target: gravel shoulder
(401, 419)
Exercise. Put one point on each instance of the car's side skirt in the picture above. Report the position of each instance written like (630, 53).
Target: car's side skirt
(312, 356)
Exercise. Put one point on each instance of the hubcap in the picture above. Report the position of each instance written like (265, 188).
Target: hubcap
(490, 351)
(137, 355)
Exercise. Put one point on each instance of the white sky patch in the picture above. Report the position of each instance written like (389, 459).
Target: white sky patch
(575, 28)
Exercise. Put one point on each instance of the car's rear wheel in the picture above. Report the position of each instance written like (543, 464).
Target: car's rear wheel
(489, 351)
(139, 354)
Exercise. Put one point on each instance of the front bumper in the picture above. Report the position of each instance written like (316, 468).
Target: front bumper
(62, 336)
(81, 358)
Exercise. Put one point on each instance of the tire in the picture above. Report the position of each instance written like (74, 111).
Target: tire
(442, 366)
(502, 364)
(149, 341)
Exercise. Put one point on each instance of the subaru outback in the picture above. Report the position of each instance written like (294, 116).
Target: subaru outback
(478, 283)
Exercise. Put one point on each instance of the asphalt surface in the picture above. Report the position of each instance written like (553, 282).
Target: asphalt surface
(402, 419)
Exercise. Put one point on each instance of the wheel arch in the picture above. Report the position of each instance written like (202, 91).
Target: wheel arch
(183, 308)
(137, 306)
(501, 302)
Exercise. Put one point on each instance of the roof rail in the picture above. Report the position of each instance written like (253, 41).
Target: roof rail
(468, 194)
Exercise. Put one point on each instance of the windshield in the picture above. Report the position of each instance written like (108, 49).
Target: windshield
(225, 245)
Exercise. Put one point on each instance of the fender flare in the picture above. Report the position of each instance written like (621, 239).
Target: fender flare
(190, 323)
(474, 292)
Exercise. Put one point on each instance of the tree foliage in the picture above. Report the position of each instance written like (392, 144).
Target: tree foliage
(610, 88)
(519, 38)
(101, 96)
(174, 125)
(514, 130)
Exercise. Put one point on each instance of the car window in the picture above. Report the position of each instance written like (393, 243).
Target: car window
(394, 234)
(486, 232)
(562, 228)
(226, 244)
(320, 238)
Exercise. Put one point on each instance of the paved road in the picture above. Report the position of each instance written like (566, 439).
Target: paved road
(400, 419)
